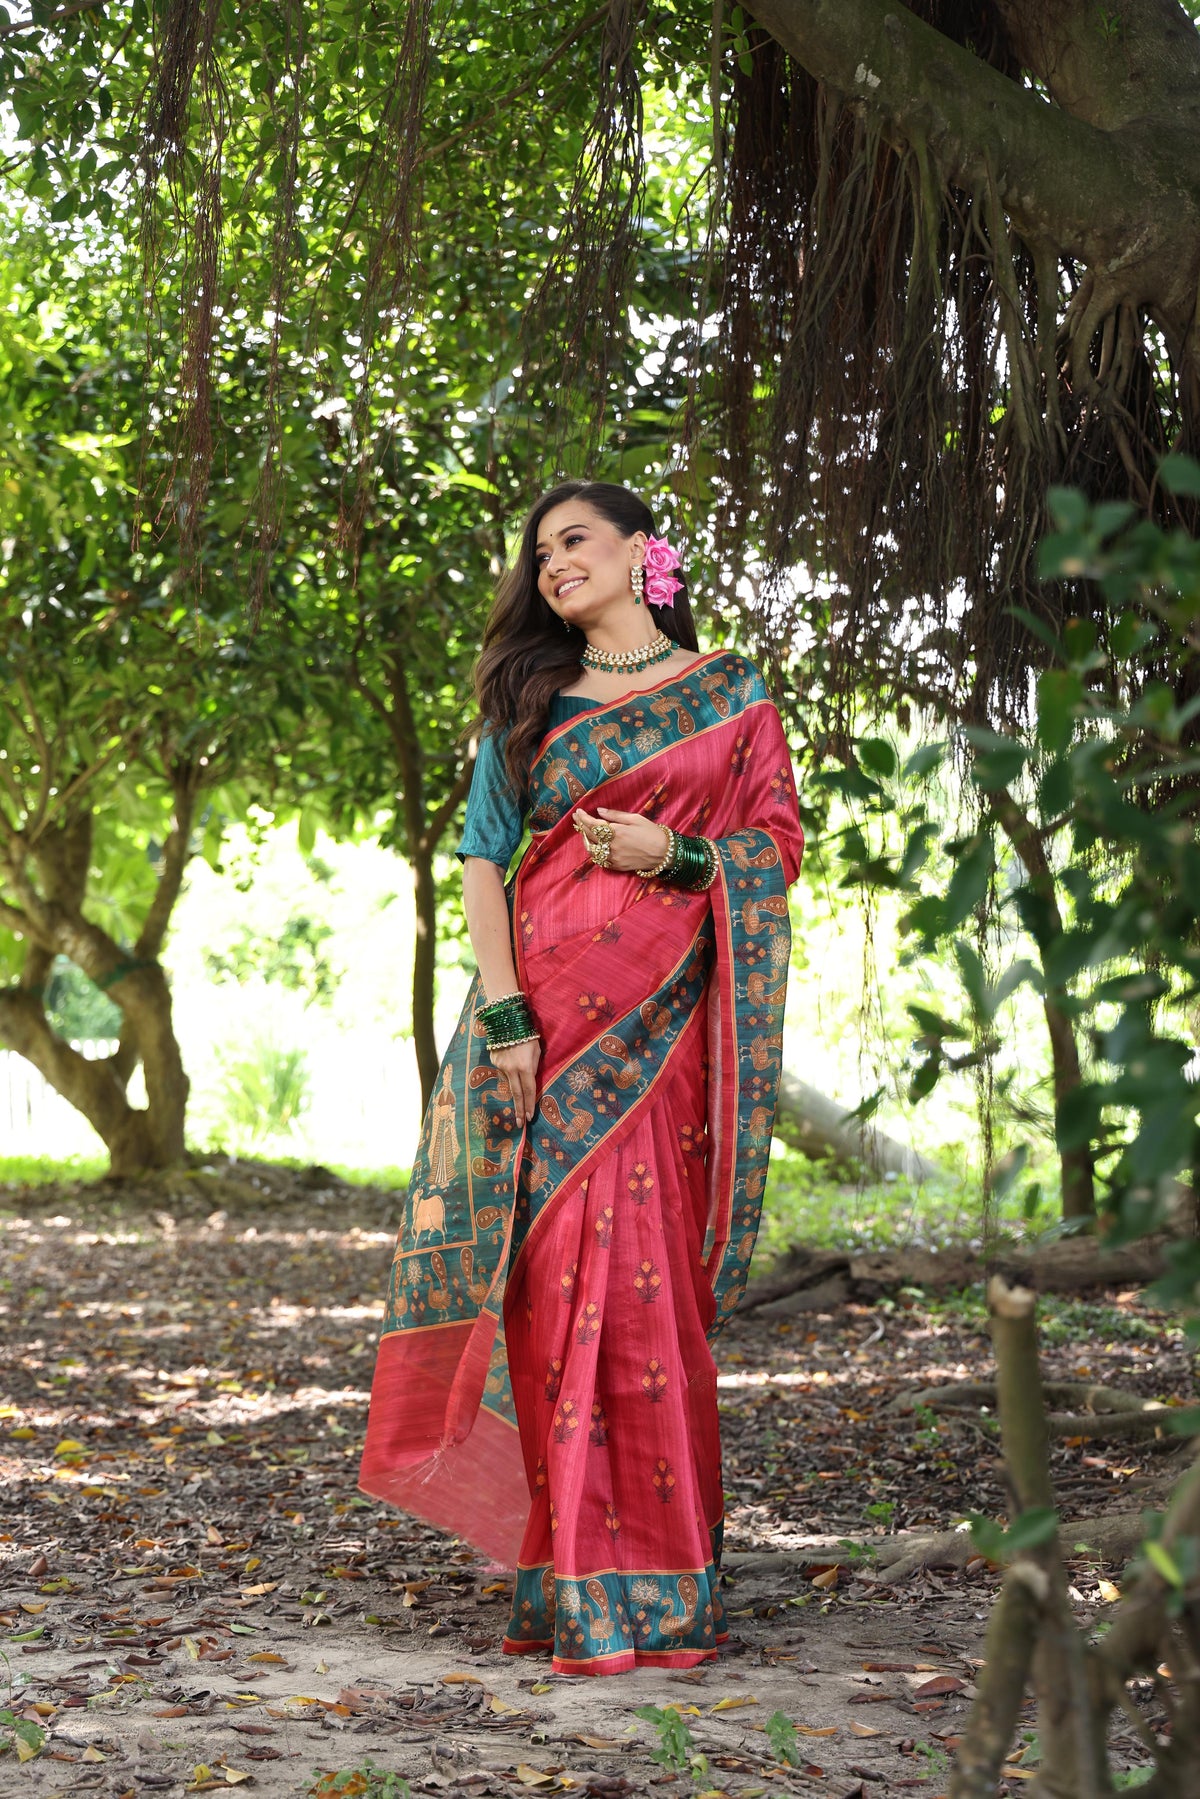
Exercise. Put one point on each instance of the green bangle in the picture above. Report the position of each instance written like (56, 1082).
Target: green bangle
(695, 864)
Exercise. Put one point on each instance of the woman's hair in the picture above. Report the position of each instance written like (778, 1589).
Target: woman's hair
(527, 654)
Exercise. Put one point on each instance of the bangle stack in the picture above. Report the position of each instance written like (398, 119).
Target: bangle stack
(507, 1021)
(690, 862)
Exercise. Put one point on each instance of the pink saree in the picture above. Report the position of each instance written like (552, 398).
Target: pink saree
(545, 1385)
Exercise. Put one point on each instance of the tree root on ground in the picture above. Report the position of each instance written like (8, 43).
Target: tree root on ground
(1067, 1266)
(1109, 1411)
(1114, 1539)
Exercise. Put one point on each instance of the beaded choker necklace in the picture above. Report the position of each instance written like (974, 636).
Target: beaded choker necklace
(623, 662)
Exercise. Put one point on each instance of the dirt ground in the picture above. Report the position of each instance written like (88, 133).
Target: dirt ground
(193, 1595)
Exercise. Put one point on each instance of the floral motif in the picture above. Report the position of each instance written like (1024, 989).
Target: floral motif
(645, 1592)
(663, 1479)
(566, 1282)
(541, 1473)
(647, 1282)
(595, 1006)
(781, 787)
(587, 1325)
(553, 1516)
(553, 1377)
(692, 1139)
(641, 1183)
(654, 1380)
(647, 740)
(598, 1433)
(612, 1520)
(739, 757)
(604, 1225)
(570, 1599)
(566, 1421)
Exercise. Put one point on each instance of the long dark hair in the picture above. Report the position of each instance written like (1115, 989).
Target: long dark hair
(527, 655)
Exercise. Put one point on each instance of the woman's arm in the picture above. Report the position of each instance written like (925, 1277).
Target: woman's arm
(486, 907)
(487, 921)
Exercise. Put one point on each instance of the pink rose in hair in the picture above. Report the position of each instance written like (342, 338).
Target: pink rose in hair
(657, 564)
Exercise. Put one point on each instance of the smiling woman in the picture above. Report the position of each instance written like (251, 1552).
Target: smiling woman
(587, 1191)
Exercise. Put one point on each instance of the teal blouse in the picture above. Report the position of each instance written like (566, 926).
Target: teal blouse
(495, 821)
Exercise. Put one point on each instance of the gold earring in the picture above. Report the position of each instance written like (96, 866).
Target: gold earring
(637, 580)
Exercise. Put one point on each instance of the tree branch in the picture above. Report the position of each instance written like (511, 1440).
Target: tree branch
(1059, 177)
(445, 812)
(14, 919)
(1106, 73)
(54, 18)
(175, 860)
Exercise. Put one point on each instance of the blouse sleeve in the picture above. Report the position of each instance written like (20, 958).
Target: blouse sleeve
(495, 820)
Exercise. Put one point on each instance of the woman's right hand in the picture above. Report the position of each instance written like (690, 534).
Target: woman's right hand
(520, 1065)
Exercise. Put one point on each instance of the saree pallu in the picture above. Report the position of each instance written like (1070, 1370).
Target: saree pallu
(545, 1385)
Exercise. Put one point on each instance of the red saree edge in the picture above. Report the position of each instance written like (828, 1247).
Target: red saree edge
(475, 1489)
(629, 1660)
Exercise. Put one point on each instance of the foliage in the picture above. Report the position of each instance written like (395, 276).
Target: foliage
(25, 1735)
(76, 1007)
(266, 1092)
(1092, 904)
(781, 1734)
(364, 1782)
(676, 1750)
(296, 959)
(1029, 1530)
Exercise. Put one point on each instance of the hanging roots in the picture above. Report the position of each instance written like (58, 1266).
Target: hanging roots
(925, 387)
(576, 320)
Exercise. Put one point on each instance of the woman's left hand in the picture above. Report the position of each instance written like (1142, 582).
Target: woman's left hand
(636, 843)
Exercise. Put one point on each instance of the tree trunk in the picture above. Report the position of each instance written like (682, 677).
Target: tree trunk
(1046, 927)
(424, 968)
(807, 1120)
(50, 881)
(136, 1138)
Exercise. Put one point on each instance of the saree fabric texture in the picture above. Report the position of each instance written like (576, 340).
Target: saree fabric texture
(545, 1385)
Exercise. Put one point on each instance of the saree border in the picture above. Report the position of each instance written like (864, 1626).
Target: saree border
(678, 996)
(633, 694)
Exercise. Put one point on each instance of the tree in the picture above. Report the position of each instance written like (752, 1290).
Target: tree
(122, 709)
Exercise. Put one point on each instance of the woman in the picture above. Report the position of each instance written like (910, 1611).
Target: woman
(588, 1186)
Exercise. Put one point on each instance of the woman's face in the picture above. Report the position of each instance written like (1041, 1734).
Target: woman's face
(583, 563)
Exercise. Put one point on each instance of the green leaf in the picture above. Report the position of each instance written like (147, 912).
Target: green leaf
(781, 1734)
(1067, 507)
(1060, 691)
(306, 833)
(1032, 1528)
(924, 760)
(877, 755)
(1009, 1170)
(1162, 1560)
(1181, 475)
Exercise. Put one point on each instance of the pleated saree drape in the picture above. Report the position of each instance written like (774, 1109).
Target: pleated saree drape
(545, 1386)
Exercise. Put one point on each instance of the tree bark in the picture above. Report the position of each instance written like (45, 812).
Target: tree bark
(423, 832)
(1008, 1652)
(49, 877)
(424, 970)
(1062, 179)
(1074, 1764)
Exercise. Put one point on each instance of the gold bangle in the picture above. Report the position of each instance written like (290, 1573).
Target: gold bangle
(647, 874)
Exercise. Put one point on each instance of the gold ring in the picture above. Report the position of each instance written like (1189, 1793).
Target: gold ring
(603, 833)
(600, 853)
